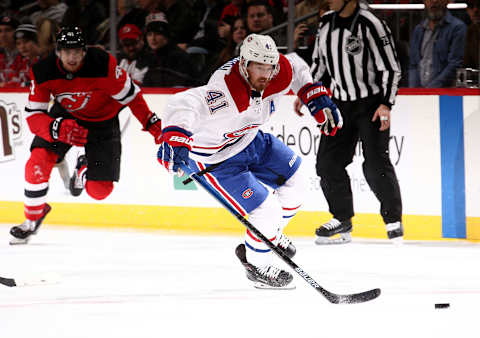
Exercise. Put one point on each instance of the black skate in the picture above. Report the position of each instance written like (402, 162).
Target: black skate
(268, 277)
(287, 246)
(395, 232)
(76, 181)
(22, 233)
(332, 228)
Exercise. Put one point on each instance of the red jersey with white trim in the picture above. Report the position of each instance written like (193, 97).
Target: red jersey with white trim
(223, 115)
(96, 92)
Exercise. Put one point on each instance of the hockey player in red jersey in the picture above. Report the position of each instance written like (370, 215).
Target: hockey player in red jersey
(92, 89)
(216, 126)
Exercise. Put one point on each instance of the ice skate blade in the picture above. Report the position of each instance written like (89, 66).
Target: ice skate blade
(19, 241)
(260, 285)
(397, 241)
(344, 238)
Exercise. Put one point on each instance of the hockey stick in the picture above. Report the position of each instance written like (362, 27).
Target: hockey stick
(331, 297)
(203, 172)
(30, 281)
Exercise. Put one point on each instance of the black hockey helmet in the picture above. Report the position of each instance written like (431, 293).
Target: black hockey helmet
(70, 37)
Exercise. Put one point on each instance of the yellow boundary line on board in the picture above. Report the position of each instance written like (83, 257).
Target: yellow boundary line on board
(219, 221)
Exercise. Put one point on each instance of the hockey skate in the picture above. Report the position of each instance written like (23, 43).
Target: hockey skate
(22, 233)
(395, 232)
(76, 181)
(327, 233)
(265, 277)
(287, 246)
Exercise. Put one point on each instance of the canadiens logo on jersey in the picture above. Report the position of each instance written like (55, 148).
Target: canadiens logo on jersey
(354, 45)
(247, 193)
(74, 101)
(240, 132)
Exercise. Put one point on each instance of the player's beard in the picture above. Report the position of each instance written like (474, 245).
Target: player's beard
(260, 85)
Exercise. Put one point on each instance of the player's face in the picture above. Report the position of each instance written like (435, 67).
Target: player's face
(71, 58)
(259, 74)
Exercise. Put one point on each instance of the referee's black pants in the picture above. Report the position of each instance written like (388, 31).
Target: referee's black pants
(335, 153)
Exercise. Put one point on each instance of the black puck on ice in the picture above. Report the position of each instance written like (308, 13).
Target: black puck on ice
(442, 305)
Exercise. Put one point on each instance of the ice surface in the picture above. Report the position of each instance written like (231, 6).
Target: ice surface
(120, 283)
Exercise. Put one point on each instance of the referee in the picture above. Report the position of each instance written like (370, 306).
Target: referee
(356, 51)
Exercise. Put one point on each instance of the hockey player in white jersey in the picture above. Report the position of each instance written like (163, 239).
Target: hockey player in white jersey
(217, 126)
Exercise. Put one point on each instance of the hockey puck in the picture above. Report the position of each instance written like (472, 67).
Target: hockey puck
(442, 305)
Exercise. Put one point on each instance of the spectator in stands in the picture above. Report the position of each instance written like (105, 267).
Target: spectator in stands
(309, 6)
(8, 50)
(181, 21)
(436, 47)
(305, 32)
(50, 9)
(168, 65)
(26, 40)
(472, 40)
(234, 8)
(86, 14)
(232, 48)
(208, 15)
(128, 13)
(47, 30)
(131, 42)
(151, 6)
(259, 16)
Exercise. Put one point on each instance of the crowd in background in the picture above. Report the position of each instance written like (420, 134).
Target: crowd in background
(176, 43)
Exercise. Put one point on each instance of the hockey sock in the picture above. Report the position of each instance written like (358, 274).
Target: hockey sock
(37, 174)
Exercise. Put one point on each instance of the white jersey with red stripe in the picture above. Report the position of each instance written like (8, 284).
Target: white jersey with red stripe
(223, 116)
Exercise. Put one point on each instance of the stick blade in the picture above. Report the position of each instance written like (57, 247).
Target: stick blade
(361, 297)
(45, 279)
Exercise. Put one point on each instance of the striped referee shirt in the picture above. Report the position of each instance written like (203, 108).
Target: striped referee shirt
(359, 55)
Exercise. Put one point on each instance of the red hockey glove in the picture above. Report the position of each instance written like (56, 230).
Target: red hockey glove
(315, 97)
(174, 149)
(154, 127)
(68, 131)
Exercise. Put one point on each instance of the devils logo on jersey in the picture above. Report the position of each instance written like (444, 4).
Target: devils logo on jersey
(73, 101)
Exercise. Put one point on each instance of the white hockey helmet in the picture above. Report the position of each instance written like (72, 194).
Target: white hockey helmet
(258, 48)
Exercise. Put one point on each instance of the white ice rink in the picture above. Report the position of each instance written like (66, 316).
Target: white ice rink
(120, 283)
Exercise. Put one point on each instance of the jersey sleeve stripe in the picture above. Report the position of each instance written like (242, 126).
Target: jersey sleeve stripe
(130, 95)
(127, 87)
(32, 106)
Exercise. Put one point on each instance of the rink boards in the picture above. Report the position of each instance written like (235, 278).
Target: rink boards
(433, 145)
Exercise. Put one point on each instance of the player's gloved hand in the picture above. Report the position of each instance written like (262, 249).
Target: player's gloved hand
(68, 131)
(154, 127)
(174, 149)
(322, 108)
